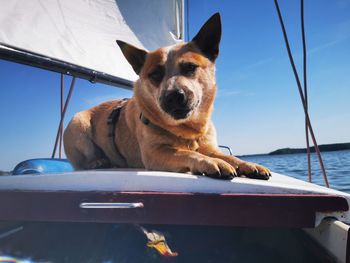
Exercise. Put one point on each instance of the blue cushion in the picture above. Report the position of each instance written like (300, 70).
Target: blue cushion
(43, 166)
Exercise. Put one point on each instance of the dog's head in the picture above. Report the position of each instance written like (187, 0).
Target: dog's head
(177, 83)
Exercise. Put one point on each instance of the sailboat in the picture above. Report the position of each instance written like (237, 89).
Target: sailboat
(46, 197)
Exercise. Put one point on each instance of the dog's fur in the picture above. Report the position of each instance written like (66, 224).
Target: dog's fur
(175, 93)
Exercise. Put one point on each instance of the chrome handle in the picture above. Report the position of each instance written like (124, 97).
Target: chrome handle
(111, 205)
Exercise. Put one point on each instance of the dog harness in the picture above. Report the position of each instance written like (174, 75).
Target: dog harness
(112, 121)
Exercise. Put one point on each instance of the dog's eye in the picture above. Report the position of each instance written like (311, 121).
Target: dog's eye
(188, 69)
(157, 74)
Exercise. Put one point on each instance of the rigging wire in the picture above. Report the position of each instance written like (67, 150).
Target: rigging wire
(61, 127)
(305, 89)
(187, 21)
(307, 118)
(62, 116)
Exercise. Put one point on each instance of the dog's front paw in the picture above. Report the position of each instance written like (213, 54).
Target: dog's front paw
(253, 170)
(215, 168)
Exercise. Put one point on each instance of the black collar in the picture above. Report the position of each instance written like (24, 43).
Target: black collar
(147, 122)
(144, 119)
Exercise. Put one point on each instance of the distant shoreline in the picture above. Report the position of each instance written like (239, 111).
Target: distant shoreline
(323, 148)
(5, 173)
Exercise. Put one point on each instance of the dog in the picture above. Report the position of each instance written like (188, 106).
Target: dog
(166, 125)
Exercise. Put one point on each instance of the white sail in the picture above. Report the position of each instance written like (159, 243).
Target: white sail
(84, 32)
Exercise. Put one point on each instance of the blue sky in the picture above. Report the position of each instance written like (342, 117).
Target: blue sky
(257, 109)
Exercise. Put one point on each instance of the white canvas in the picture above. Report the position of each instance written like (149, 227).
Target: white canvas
(84, 32)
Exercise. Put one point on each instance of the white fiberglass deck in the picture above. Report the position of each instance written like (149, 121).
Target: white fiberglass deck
(155, 181)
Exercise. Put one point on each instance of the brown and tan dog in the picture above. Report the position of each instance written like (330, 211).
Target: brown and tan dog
(166, 125)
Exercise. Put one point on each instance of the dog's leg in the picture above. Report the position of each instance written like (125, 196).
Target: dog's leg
(166, 158)
(86, 155)
(248, 169)
(80, 150)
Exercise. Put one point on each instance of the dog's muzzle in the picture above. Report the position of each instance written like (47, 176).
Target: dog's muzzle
(175, 102)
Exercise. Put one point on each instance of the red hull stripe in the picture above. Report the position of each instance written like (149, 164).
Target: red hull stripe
(276, 210)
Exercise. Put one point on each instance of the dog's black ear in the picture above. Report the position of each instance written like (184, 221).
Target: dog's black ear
(135, 56)
(208, 37)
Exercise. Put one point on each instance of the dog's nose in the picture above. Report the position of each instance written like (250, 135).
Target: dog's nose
(175, 99)
(175, 102)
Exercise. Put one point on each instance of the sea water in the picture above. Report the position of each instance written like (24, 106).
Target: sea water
(337, 166)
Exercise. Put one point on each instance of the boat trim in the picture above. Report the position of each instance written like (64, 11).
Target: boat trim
(264, 210)
(110, 205)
